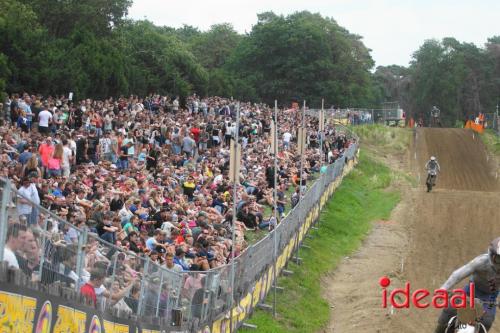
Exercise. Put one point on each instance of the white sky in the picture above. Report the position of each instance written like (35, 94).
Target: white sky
(393, 29)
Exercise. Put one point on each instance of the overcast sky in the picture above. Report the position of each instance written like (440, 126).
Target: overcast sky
(393, 29)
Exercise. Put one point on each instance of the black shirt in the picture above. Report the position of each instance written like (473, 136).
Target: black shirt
(151, 163)
(92, 145)
(124, 151)
(115, 205)
(80, 150)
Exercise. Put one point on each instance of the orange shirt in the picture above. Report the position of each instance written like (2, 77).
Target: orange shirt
(45, 151)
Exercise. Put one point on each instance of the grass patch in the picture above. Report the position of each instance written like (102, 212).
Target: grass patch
(345, 221)
(391, 139)
(492, 141)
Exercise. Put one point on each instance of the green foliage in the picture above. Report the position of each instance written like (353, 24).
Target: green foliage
(4, 72)
(90, 48)
(387, 139)
(492, 141)
(304, 56)
(20, 39)
(214, 47)
(61, 18)
(159, 61)
(393, 84)
(460, 78)
(345, 221)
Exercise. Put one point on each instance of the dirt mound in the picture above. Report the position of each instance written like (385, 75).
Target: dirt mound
(431, 235)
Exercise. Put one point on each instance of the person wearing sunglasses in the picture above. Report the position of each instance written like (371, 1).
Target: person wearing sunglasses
(484, 272)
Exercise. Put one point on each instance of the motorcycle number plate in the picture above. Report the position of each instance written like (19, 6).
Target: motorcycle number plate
(466, 329)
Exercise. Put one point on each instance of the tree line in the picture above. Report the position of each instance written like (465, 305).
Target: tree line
(461, 79)
(92, 49)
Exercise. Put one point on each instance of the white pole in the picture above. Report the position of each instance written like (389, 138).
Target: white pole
(304, 135)
(235, 188)
(321, 130)
(275, 153)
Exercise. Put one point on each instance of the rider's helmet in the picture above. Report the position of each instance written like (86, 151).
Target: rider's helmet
(433, 158)
(494, 253)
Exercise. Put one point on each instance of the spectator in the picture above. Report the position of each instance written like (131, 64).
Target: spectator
(14, 242)
(170, 264)
(44, 121)
(46, 151)
(28, 195)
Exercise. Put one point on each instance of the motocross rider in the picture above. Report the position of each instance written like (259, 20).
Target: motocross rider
(484, 272)
(435, 116)
(432, 166)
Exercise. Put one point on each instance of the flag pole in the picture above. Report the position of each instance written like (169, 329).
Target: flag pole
(235, 175)
(302, 141)
(321, 130)
(303, 135)
(275, 154)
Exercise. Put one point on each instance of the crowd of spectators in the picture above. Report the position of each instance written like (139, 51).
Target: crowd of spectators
(149, 176)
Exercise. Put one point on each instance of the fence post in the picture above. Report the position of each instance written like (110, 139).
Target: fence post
(496, 122)
(6, 196)
(143, 283)
(159, 294)
(44, 246)
(114, 268)
(82, 239)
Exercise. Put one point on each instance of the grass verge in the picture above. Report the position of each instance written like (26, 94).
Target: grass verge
(362, 198)
(492, 141)
(385, 138)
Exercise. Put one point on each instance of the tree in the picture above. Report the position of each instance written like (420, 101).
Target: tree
(20, 39)
(159, 61)
(304, 56)
(456, 76)
(62, 17)
(393, 84)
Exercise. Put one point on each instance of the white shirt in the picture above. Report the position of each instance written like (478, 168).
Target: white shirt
(10, 257)
(177, 268)
(67, 153)
(35, 198)
(100, 299)
(105, 144)
(124, 213)
(218, 179)
(72, 145)
(167, 227)
(28, 193)
(44, 117)
(286, 137)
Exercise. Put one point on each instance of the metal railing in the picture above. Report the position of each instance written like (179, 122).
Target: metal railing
(62, 252)
(361, 116)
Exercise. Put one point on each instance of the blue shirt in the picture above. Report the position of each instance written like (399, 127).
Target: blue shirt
(24, 157)
(181, 262)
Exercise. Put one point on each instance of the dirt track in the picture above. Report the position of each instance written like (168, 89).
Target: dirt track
(428, 236)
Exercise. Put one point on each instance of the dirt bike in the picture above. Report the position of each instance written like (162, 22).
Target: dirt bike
(431, 179)
(468, 320)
